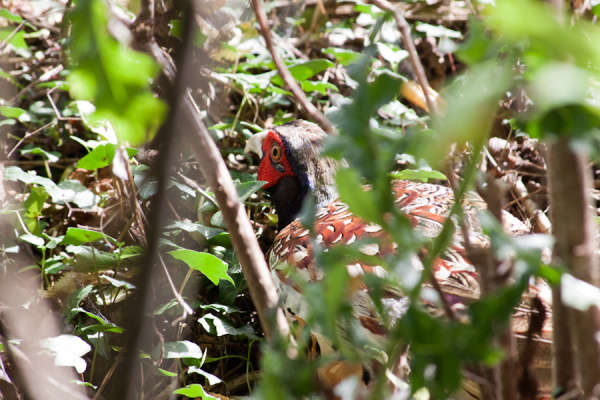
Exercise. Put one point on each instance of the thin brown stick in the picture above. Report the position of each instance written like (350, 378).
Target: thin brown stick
(287, 77)
(412, 51)
(257, 274)
(540, 219)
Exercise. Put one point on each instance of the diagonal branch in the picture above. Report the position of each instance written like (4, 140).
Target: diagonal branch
(412, 51)
(287, 77)
(257, 274)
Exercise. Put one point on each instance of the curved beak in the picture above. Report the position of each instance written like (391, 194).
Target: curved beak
(254, 144)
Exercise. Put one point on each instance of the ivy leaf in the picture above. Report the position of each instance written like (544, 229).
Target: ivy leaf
(183, 349)
(78, 236)
(418, 175)
(209, 265)
(17, 174)
(67, 351)
(343, 56)
(194, 391)
(305, 70)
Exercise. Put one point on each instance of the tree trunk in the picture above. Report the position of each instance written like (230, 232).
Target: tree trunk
(574, 227)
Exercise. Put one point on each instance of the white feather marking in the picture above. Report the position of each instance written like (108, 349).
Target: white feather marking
(254, 144)
(370, 249)
(372, 228)
(355, 270)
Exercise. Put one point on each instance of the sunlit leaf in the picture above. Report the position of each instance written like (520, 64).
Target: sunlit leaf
(213, 268)
(67, 351)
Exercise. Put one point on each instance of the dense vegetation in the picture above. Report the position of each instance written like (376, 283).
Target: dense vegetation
(118, 263)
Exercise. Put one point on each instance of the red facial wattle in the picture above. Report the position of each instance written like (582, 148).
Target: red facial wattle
(270, 170)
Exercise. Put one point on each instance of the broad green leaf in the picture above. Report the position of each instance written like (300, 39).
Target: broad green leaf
(52, 156)
(182, 349)
(17, 42)
(392, 54)
(213, 268)
(167, 373)
(34, 240)
(89, 259)
(100, 157)
(318, 86)
(305, 70)
(17, 174)
(188, 226)
(437, 31)
(67, 351)
(78, 236)
(343, 56)
(418, 175)
(113, 75)
(119, 283)
(72, 191)
(361, 202)
(212, 380)
(194, 391)
(223, 327)
(7, 15)
(15, 112)
(33, 207)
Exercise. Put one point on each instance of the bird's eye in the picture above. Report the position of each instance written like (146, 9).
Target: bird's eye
(276, 152)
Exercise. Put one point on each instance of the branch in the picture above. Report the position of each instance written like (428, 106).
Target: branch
(287, 77)
(257, 274)
(412, 51)
(573, 226)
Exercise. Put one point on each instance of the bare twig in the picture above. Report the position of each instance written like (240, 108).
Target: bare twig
(257, 274)
(188, 310)
(287, 77)
(412, 51)
(540, 219)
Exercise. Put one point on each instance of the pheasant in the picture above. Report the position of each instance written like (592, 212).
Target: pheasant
(292, 165)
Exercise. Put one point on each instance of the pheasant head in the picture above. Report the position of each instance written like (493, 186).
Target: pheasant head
(292, 166)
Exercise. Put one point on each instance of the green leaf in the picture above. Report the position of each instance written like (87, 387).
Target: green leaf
(194, 391)
(437, 31)
(119, 283)
(78, 236)
(7, 15)
(361, 202)
(212, 380)
(67, 350)
(34, 240)
(343, 56)
(52, 156)
(15, 112)
(392, 54)
(72, 191)
(17, 174)
(223, 327)
(100, 157)
(182, 349)
(187, 226)
(321, 87)
(305, 70)
(33, 207)
(17, 42)
(113, 75)
(418, 175)
(209, 265)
